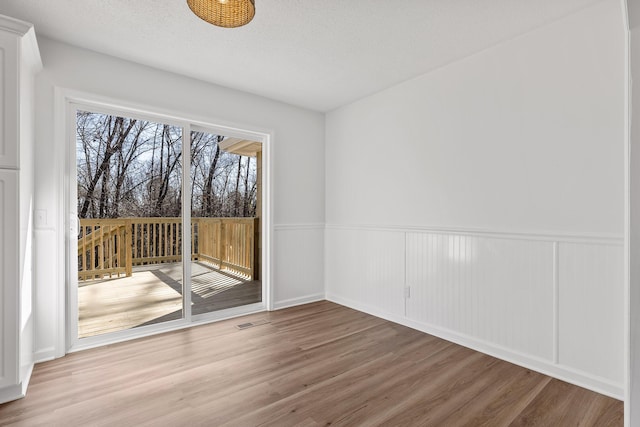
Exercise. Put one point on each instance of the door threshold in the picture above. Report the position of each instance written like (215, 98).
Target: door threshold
(169, 326)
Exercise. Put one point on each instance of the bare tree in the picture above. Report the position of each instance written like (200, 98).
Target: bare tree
(129, 167)
(116, 130)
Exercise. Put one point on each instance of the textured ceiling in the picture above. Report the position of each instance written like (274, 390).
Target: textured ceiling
(314, 54)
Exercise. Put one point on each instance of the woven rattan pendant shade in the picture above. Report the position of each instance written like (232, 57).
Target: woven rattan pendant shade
(224, 13)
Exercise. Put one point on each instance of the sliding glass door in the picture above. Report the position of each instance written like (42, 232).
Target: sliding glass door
(138, 263)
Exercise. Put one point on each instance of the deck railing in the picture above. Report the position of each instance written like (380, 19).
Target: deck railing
(111, 247)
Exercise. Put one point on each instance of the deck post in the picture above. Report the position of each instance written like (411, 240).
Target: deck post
(128, 247)
(222, 246)
(194, 235)
(255, 251)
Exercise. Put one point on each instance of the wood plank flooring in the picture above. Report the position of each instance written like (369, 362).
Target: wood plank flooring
(314, 365)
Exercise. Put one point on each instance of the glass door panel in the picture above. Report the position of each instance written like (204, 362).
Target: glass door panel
(129, 191)
(224, 227)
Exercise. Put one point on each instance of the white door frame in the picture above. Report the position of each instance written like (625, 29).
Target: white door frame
(67, 102)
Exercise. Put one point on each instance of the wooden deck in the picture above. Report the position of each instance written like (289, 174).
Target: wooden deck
(154, 294)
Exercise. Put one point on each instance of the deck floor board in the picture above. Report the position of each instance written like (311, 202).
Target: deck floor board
(154, 294)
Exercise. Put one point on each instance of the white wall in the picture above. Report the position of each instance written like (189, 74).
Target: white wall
(297, 169)
(632, 406)
(298, 264)
(493, 188)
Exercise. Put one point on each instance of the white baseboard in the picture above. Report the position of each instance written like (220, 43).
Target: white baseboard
(13, 392)
(16, 391)
(26, 379)
(278, 305)
(44, 355)
(581, 379)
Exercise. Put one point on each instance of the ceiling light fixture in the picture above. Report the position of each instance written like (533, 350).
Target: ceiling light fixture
(224, 13)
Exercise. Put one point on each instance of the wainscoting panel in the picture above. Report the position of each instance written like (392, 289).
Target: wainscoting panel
(298, 260)
(591, 309)
(553, 303)
(366, 266)
(496, 290)
(47, 259)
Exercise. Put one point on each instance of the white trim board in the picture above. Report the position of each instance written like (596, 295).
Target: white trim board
(292, 302)
(550, 236)
(312, 226)
(13, 392)
(14, 25)
(44, 355)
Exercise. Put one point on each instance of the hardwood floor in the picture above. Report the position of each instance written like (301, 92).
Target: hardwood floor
(312, 365)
